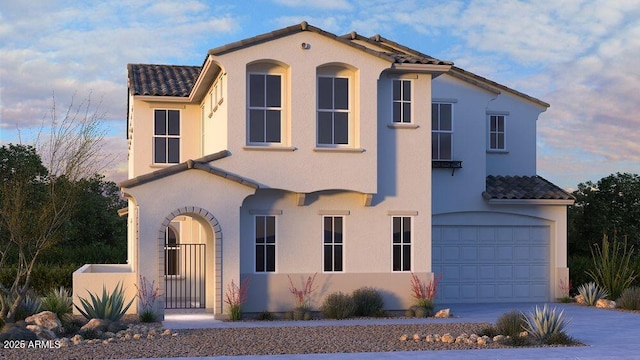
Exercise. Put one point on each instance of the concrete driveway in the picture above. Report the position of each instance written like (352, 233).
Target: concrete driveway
(609, 334)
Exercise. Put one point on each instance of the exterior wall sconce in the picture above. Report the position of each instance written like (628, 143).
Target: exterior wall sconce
(305, 46)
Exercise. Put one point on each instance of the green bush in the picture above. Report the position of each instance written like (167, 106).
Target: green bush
(511, 323)
(338, 305)
(368, 302)
(545, 324)
(591, 293)
(612, 266)
(44, 277)
(59, 302)
(630, 298)
(109, 306)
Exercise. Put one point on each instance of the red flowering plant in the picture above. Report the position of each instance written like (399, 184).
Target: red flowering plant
(303, 295)
(424, 292)
(235, 297)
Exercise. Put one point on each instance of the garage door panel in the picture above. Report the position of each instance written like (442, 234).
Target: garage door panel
(492, 263)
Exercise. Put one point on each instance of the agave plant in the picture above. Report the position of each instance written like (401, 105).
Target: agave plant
(109, 306)
(543, 324)
(58, 301)
(592, 293)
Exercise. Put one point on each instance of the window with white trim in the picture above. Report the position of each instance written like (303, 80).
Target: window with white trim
(333, 237)
(442, 131)
(166, 136)
(265, 108)
(333, 123)
(401, 243)
(265, 243)
(497, 132)
(401, 101)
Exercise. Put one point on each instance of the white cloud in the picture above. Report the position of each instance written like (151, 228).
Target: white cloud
(323, 4)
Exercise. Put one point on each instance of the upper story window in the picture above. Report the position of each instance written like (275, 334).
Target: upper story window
(333, 110)
(442, 131)
(497, 132)
(401, 101)
(166, 136)
(333, 230)
(265, 243)
(265, 108)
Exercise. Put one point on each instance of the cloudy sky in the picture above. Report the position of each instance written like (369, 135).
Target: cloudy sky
(582, 57)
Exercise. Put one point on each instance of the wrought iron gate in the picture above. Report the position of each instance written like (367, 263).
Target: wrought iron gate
(184, 280)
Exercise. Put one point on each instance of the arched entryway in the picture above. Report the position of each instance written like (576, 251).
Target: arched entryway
(190, 248)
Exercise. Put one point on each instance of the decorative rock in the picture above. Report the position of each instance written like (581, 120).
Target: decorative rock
(416, 337)
(605, 304)
(580, 299)
(116, 326)
(481, 341)
(96, 325)
(166, 332)
(15, 332)
(76, 339)
(498, 338)
(64, 342)
(447, 338)
(41, 332)
(444, 313)
(429, 338)
(136, 336)
(45, 319)
(404, 337)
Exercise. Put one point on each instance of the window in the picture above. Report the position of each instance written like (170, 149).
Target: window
(497, 132)
(401, 237)
(401, 101)
(265, 108)
(442, 131)
(171, 252)
(333, 110)
(333, 240)
(265, 230)
(166, 137)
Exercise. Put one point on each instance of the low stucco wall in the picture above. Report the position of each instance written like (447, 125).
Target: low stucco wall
(91, 278)
(271, 291)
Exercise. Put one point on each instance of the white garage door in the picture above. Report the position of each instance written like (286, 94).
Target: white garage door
(491, 263)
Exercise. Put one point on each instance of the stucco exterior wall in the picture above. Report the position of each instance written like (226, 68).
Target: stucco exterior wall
(353, 169)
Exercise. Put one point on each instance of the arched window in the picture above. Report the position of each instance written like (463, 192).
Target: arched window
(335, 106)
(266, 104)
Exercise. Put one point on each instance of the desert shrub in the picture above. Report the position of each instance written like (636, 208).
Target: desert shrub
(545, 324)
(612, 269)
(147, 316)
(338, 305)
(58, 301)
(265, 316)
(511, 323)
(578, 266)
(592, 293)
(367, 301)
(108, 306)
(560, 338)
(489, 331)
(630, 298)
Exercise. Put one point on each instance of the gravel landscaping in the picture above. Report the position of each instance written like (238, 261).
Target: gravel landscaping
(257, 341)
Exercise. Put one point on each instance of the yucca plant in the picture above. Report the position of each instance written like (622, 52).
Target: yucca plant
(545, 324)
(612, 268)
(59, 302)
(108, 306)
(591, 293)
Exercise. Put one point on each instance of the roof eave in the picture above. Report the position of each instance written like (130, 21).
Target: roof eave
(207, 76)
(562, 202)
(420, 68)
(163, 98)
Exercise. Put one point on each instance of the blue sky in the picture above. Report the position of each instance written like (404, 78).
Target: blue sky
(579, 56)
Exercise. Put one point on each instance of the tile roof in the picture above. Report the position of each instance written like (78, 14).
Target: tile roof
(523, 188)
(162, 80)
(199, 164)
(399, 53)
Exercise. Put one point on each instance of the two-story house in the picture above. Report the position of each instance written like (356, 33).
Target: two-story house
(299, 152)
